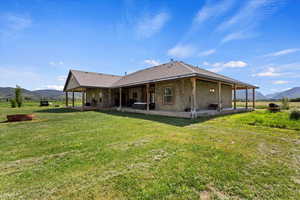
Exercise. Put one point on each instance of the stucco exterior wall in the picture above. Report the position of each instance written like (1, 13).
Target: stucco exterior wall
(182, 95)
(138, 91)
(182, 89)
(206, 97)
(93, 96)
(226, 96)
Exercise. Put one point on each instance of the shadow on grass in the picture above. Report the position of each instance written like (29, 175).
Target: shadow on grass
(174, 121)
(57, 110)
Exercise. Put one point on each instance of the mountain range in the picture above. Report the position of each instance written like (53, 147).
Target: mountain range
(8, 92)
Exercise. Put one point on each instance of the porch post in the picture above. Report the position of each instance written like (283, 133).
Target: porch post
(148, 97)
(82, 100)
(247, 97)
(194, 98)
(219, 96)
(109, 97)
(73, 99)
(67, 100)
(120, 99)
(234, 97)
(253, 98)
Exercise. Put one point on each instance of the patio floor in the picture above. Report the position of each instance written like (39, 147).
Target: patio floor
(200, 113)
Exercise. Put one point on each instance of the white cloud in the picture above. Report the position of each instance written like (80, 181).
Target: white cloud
(280, 82)
(219, 66)
(252, 12)
(152, 62)
(12, 24)
(243, 23)
(283, 52)
(212, 10)
(17, 22)
(61, 78)
(235, 64)
(151, 25)
(270, 72)
(237, 36)
(182, 51)
(56, 64)
(55, 87)
(208, 52)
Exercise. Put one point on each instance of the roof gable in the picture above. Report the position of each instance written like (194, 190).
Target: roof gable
(90, 79)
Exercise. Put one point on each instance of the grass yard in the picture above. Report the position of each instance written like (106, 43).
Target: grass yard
(265, 104)
(65, 154)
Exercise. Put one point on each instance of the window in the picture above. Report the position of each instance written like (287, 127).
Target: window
(168, 95)
(212, 90)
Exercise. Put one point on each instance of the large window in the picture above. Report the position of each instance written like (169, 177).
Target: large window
(168, 95)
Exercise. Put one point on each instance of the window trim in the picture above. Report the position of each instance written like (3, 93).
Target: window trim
(164, 96)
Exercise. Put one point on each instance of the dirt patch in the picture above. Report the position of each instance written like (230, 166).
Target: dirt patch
(19, 165)
(128, 145)
(205, 195)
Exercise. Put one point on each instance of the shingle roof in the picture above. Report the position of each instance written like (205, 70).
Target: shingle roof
(172, 70)
(167, 71)
(93, 79)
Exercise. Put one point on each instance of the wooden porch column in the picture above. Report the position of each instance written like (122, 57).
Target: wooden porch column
(148, 96)
(73, 104)
(67, 100)
(246, 97)
(234, 97)
(82, 100)
(219, 96)
(253, 98)
(109, 97)
(120, 99)
(194, 97)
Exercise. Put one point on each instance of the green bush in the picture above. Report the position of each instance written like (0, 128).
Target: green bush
(285, 103)
(18, 95)
(13, 103)
(295, 115)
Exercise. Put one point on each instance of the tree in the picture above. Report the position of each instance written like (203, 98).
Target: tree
(285, 103)
(18, 96)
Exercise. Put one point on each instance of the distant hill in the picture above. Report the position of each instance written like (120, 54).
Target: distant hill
(50, 93)
(241, 94)
(9, 92)
(291, 94)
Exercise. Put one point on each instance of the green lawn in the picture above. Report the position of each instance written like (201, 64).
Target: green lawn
(110, 155)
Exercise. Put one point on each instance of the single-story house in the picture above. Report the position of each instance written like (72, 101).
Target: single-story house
(174, 89)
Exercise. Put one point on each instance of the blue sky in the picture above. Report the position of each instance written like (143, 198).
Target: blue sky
(256, 41)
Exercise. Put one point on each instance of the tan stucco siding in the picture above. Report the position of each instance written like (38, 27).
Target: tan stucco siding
(226, 96)
(182, 95)
(93, 97)
(72, 83)
(206, 97)
(138, 91)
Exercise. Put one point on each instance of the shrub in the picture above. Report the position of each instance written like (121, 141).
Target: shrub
(285, 103)
(18, 96)
(295, 100)
(295, 115)
(12, 103)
